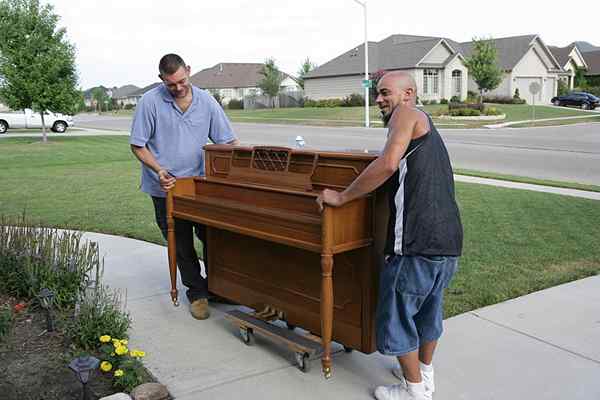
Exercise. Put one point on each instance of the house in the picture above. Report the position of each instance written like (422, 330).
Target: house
(3, 108)
(133, 97)
(523, 60)
(570, 59)
(436, 64)
(121, 96)
(236, 80)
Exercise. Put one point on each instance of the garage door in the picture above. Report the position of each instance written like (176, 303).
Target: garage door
(549, 90)
(522, 83)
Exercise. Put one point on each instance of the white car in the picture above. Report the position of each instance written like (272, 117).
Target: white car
(30, 119)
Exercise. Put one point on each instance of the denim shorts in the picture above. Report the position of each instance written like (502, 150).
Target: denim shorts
(410, 301)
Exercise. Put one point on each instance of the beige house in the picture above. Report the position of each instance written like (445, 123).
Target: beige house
(524, 60)
(237, 80)
(436, 64)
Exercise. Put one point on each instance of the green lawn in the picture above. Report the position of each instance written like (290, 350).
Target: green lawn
(516, 242)
(354, 116)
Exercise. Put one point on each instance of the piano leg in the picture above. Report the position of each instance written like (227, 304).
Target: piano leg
(326, 311)
(172, 249)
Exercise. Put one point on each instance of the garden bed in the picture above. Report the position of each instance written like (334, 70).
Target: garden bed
(34, 362)
(474, 118)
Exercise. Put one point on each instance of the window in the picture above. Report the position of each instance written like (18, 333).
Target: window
(431, 83)
(457, 82)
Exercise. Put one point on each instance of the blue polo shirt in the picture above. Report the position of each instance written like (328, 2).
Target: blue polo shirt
(175, 138)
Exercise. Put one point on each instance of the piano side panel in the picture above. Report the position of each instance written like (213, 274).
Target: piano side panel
(260, 273)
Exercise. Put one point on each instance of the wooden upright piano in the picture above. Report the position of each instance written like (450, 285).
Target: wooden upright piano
(269, 245)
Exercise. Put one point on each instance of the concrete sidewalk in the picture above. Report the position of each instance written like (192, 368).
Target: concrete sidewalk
(542, 346)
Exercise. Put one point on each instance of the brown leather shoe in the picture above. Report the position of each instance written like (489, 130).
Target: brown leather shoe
(199, 309)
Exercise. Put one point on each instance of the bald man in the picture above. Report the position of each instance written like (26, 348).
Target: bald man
(424, 237)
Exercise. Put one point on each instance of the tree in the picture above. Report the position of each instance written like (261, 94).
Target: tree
(99, 97)
(483, 66)
(579, 80)
(37, 63)
(305, 68)
(270, 84)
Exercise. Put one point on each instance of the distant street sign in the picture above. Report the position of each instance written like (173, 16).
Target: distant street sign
(367, 83)
(534, 88)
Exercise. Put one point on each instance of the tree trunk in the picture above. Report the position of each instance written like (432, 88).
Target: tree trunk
(44, 136)
(481, 97)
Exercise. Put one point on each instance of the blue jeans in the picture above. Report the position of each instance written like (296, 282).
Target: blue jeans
(410, 301)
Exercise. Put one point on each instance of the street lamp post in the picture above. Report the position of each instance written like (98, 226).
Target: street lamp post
(364, 6)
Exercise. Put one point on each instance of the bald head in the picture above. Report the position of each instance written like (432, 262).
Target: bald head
(401, 80)
(395, 89)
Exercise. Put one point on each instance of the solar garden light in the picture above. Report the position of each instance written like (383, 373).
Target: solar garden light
(83, 366)
(46, 297)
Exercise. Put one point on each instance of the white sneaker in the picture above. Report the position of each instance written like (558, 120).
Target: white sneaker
(398, 392)
(427, 380)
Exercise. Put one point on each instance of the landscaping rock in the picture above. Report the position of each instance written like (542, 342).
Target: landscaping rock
(117, 396)
(150, 391)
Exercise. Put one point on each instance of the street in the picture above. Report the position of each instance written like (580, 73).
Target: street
(564, 153)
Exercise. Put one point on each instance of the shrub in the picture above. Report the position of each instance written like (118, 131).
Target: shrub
(517, 95)
(32, 258)
(455, 99)
(503, 100)
(235, 104)
(563, 88)
(6, 318)
(472, 96)
(425, 102)
(444, 101)
(354, 100)
(323, 103)
(492, 111)
(465, 112)
(98, 312)
(129, 106)
(433, 102)
(472, 106)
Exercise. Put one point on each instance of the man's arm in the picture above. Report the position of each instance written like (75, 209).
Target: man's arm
(166, 180)
(402, 126)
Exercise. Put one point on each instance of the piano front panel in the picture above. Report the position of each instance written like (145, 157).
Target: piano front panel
(260, 273)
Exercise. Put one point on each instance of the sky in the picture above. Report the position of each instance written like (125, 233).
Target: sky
(120, 42)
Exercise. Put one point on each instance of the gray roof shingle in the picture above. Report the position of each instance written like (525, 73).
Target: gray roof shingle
(510, 50)
(124, 91)
(229, 75)
(393, 52)
(592, 59)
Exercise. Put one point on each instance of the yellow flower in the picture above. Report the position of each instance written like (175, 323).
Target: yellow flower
(137, 353)
(119, 372)
(116, 342)
(105, 366)
(105, 338)
(121, 350)
(123, 342)
(112, 354)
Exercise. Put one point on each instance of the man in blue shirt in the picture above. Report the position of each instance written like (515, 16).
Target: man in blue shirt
(171, 125)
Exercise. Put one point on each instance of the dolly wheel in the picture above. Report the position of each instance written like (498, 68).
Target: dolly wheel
(247, 335)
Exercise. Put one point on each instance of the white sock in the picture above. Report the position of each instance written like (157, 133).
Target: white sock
(425, 367)
(415, 387)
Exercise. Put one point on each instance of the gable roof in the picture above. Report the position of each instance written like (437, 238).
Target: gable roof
(124, 91)
(561, 53)
(140, 92)
(510, 50)
(393, 52)
(592, 59)
(229, 75)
